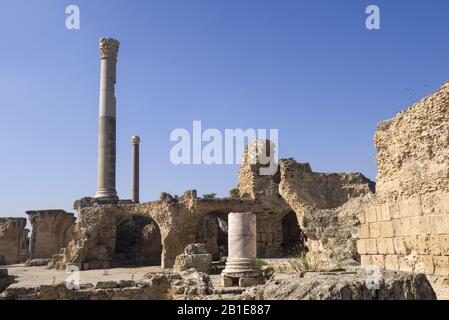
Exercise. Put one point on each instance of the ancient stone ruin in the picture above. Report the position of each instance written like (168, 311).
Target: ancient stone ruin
(52, 230)
(13, 240)
(333, 220)
(406, 225)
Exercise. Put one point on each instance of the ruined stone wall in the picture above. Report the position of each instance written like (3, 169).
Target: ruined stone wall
(94, 242)
(13, 235)
(51, 231)
(264, 191)
(327, 207)
(406, 227)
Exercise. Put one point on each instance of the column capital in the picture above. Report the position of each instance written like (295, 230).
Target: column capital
(109, 48)
(135, 139)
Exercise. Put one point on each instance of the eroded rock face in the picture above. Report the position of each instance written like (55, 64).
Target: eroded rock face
(345, 286)
(327, 207)
(13, 240)
(52, 231)
(406, 226)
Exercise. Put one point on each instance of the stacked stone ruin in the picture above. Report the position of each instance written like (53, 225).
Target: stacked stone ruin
(406, 226)
(337, 219)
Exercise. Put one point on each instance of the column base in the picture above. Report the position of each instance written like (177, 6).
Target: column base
(241, 272)
(106, 194)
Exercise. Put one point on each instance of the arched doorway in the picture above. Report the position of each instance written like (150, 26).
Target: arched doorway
(293, 239)
(138, 242)
(213, 231)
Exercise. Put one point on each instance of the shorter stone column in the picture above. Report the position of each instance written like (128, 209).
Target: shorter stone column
(241, 268)
(135, 141)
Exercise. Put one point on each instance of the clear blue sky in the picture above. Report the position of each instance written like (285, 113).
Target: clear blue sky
(308, 68)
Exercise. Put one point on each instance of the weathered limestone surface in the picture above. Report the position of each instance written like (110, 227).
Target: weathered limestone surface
(406, 227)
(327, 207)
(13, 240)
(196, 257)
(345, 286)
(52, 230)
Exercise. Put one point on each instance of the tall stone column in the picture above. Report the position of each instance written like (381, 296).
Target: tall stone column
(107, 122)
(241, 268)
(135, 141)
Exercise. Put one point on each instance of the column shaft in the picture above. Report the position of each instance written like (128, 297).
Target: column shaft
(107, 120)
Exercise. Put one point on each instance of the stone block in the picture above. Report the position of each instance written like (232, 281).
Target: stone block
(371, 214)
(424, 265)
(250, 282)
(199, 262)
(361, 246)
(400, 246)
(434, 245)
(385, 212)
(374, 230)
(364, 231)
(443, 242)
(403, 227)
(439, 224)
(385, 246)
(379, 261)
(392, 262)
(387, 229)
(366, 261)
(394, 210)
(420, 225)
(422, 245)
(371, 246)
(441, 264)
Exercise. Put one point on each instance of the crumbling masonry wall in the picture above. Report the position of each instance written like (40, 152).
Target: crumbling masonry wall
(326, 207)
(178, 219)
(52, 230)
(13, 238)
(406, 227)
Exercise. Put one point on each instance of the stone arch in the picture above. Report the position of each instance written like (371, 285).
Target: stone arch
(213, 232)
(138, 241)
(293, 238)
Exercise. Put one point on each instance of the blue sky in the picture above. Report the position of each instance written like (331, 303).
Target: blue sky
(308, 68)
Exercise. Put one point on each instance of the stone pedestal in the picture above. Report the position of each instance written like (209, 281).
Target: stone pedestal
(241, 269)
(135, 141)
(107, 120)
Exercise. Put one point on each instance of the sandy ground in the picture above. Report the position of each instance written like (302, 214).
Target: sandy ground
(35, 276)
